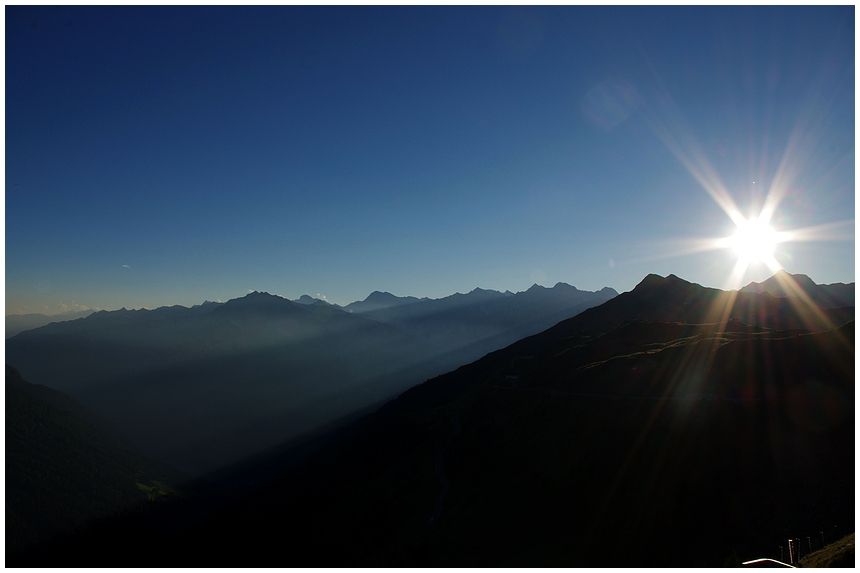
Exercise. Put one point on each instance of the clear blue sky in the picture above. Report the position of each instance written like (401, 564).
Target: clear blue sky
(170, 155)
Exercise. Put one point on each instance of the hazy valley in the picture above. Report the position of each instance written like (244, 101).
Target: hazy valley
(629, 419)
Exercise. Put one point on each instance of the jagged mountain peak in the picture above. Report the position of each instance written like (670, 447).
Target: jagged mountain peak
(779, 278)
(259, 295)
(378, 300)
(307, 299)
(258, 301)
(654, 280)
(479, 290)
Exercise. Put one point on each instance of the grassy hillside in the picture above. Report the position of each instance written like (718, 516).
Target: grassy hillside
(62, 468)
(837, 554)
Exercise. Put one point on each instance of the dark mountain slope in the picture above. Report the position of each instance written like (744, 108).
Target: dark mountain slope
(63, 468)
(681, 450)
(603, 441)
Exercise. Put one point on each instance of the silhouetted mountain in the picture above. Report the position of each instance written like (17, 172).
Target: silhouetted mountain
(260, 303)
(378, 300)
(16, 323)
(672, 299)
(786, 285)
(627, 435)
(307, 299)
(63, 468)
(228, 379)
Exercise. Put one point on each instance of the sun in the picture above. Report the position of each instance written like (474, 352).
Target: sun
(754, 240)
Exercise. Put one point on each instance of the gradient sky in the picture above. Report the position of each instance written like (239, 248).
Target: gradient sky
(171, 155)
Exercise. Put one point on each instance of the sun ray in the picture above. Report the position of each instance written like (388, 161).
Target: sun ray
(836, 231)
(736, 277)
(668, 124)
(677, 248)
(786, 174)
(696, 164)
(812, 316)
(772, 264)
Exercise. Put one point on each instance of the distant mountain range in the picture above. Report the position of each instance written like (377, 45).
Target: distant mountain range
(223, 380)
(488, 317)
(672, 425)
(16, 323)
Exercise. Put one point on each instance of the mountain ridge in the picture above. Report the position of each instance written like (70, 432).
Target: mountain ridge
(629, 421)
(786, 285)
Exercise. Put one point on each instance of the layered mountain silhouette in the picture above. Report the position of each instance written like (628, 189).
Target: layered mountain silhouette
(64, 468)
(16, 323)
(490, 316)
(197, 387)
(378, 300)
(204, 386)
(673, 425)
